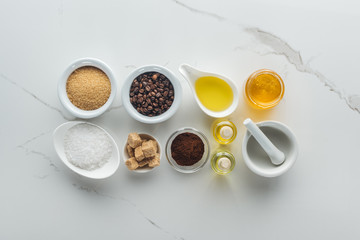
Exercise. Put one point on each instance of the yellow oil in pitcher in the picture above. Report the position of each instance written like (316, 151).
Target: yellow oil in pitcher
(214, 93)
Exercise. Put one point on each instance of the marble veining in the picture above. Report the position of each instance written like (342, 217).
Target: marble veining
(36, 97)
(128, 202)
(253, 201)
(194, 10)
(282, 48)
(24, 146)
(32, 139)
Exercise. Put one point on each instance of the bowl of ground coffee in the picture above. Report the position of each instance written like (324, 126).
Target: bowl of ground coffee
(87, 88)
(151, 94)
(187, 150)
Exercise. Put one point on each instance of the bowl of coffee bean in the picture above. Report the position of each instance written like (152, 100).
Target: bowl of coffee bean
(151, 94)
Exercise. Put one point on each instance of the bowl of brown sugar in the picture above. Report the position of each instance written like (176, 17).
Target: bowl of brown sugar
(187, 150)
(87, 88)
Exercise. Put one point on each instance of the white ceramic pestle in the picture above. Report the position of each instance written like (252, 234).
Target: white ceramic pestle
(277, 157)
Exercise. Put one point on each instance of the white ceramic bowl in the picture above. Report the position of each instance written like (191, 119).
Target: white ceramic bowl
(77, 112)
(126, 156)
(125, 94)
(105, 171)
(256, 158)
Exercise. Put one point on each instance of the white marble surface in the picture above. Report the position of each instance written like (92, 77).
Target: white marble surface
(314, 45)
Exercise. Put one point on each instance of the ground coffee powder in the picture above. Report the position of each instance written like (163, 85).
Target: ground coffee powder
(187, 149)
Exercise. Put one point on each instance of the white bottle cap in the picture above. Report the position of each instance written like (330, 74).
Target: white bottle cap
(226, 132)
(224, 163)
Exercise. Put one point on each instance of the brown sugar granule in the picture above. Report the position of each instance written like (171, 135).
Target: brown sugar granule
(187, 149)
(88, 88)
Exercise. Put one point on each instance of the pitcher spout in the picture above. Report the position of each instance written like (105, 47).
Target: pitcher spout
(189, 73)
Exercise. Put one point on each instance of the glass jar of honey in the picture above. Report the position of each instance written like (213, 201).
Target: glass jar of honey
(264, 89)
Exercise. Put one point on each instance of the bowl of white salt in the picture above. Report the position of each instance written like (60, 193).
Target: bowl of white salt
(86, 149)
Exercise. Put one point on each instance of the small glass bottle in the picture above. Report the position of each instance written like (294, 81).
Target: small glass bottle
(223, 162)
(224, 132)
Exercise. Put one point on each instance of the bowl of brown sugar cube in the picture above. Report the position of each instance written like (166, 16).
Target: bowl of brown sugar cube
(141, 152)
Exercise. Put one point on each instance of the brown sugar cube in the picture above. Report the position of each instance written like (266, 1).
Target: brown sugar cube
(130, 150)
(148, 149)
(155, 161)
(132, 164)
(139, 154)
(143, 163)
(154, 143)
(134, 140)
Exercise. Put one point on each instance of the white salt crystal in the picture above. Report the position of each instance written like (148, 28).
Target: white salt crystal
(87, 146)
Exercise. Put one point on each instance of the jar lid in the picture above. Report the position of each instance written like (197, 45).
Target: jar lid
(226, 132)
(224, 163)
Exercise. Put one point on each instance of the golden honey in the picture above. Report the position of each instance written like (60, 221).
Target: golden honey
(264, 89)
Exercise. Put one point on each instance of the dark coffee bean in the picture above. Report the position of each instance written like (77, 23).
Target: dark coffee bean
(151, 93)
